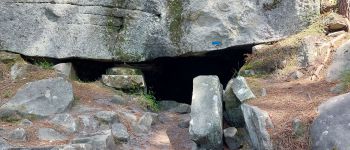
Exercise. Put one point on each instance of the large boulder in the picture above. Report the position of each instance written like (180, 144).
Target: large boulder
(330, 129)
(257, 122)
(341, 63)
(206, 113)
(241, 89)
(41, 98)
(139, 30)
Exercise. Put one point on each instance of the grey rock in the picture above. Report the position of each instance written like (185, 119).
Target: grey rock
(308, 50)
(263, 92)
(88, 123)
(184, 121)
(206, 113)
(26, 122)
(128, 116)
(74, 147)
(335, 34)
(20, 70)
(47, 134)
(41, 98)
(181, 109)
(66, 121)
(241, 89)
(101, 141)
(107, 117)
(120, 100)
(298, 128)
(296, 75)
(232, 111)
(328, 131)
(257, 122)
(124, 81)
(143, 30)
(3, 144)
(144, 124)
(123, 71)
(166, 105)
(18, 134)
(340, 64)
(231, 139)
(65, 70)
(120, 133)
(335, 22)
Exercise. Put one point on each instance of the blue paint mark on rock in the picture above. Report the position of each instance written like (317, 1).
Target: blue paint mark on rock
(216, 43)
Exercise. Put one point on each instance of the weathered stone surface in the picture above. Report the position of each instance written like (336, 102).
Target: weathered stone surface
(141, 30)
(329, 129)
(341, 63)
(66, 121)
(123, 71)
(167, 105)
(88, 123)
(296, 75)
(298, 128)
(3, 144)
(74, 147)
(26, 122)
(338, 88)
(124, 81)
(65, 70)
(145, 123)
(41, 98)
(241, 89)
(117, 99)
(182, 109)
(257, 122)
(184, 121)
(120, 133)
(232, 110)
(335, 22)
(206, 113)
(20, 70)
(107, 117)
(18, 134)
(47, 134)
(309, 50)
(104, 140)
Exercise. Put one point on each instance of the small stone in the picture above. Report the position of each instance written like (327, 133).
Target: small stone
(117, 99)
(107, 117)
(3, 144)
(263, 92)
(296, 75)
(74, 147)
(9, 58)
(102, 141)
(66, 121)
(241, 89)
(89, 123)
(298, 128)
(182, 109)
(47, 134)
(20, 70)
(145, 122)
(120, 133)
(26, 122)
(18, 134)
(123, 71)
(231, 139)
(65, 70)
(166, 105)
(125, 82)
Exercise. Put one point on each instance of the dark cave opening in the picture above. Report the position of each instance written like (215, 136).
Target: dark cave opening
(170, 78)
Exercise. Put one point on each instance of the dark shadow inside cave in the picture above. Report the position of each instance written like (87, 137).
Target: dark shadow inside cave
(170, 78)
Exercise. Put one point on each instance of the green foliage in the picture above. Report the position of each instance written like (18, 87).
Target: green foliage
(345, 79)
(175, 11)
(44, 64)
(149, 101)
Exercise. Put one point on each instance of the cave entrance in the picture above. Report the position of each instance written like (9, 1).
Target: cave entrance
(170, 78)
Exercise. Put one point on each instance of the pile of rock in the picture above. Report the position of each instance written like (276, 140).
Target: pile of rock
(210, 103)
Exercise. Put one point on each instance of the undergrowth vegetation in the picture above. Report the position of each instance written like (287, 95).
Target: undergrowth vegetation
(149, 101)
(281, 54)
(345, 79)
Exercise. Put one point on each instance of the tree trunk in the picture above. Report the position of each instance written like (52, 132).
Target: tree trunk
(344, 8)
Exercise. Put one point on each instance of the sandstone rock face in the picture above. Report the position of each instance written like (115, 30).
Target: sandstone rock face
(139, 30)
(329, 129)
(206, 113)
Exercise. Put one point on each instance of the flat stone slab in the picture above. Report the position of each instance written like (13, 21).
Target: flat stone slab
(124, 81)
(47, 134)
(41, 98)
